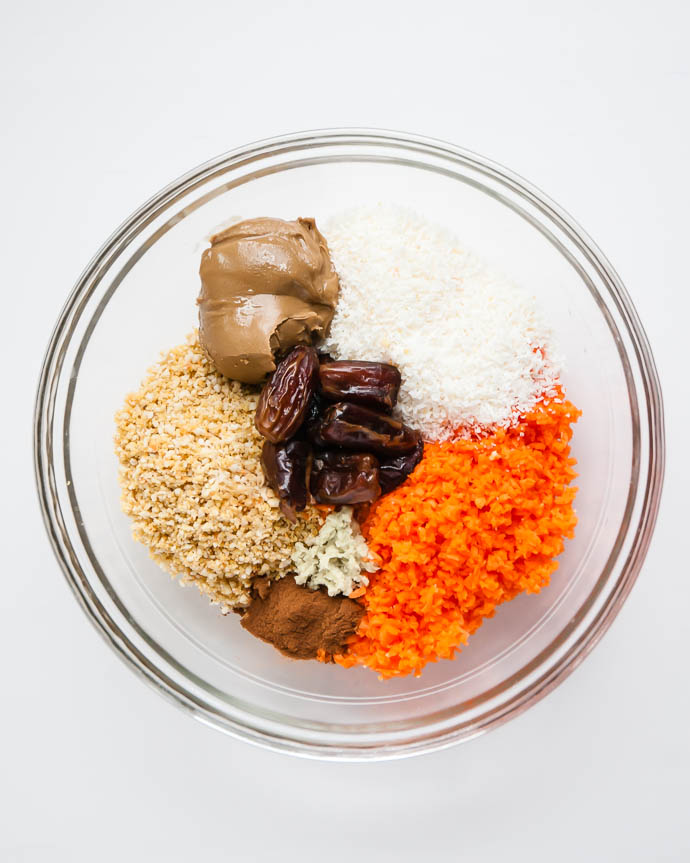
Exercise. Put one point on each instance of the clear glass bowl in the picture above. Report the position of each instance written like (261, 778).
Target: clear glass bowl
(137, 297)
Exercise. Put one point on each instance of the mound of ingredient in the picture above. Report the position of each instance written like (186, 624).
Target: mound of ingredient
(266, 286)
(192, 480)
(472, 348)
(476, 523)
(326, 451)
(337, 558)
(301, 623)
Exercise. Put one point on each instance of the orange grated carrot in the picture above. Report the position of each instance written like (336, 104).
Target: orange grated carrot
(478, 522)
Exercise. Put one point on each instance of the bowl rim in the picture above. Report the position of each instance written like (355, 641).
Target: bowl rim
(45, 405)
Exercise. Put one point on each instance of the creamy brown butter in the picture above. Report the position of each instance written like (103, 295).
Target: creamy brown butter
(266, 286)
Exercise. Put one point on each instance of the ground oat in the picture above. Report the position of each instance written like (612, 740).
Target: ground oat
(192, 481)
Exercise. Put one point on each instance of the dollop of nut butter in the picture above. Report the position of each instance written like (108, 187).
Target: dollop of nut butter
(266, 286)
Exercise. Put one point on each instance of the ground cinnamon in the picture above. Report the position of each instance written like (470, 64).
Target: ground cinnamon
(300, 621)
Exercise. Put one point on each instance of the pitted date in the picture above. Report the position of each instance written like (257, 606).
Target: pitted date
(374, 385)
(394, 471)
(345, 478)
(357, 428)
(285, 398)
(285, 468)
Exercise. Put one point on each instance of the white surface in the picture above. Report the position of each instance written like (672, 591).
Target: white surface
(102, 104)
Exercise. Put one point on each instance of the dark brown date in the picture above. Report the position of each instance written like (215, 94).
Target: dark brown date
(285, 468)
(315, 410)
(360, 429)
(284, 399)
(394, 471)
(374, 385)
(345, 478)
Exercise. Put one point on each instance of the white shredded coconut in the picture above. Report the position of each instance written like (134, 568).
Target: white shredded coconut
(472, 348)
(336, 558)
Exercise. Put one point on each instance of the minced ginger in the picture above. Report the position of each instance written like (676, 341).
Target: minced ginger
(337, 558)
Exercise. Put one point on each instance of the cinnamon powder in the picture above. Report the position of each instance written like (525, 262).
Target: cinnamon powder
(299, 621)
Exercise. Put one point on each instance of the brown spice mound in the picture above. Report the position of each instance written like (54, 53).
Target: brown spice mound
(299, 621)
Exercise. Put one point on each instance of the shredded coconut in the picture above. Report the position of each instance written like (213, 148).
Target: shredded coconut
(336, 558)
(472, 348)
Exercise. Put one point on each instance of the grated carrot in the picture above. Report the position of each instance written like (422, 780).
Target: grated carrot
(478, 522)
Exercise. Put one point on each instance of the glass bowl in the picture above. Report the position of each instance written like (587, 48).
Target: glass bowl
(137, 298)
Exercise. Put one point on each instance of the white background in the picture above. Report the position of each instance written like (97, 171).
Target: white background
(102, 104)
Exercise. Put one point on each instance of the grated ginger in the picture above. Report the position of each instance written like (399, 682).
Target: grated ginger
(336, 558)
